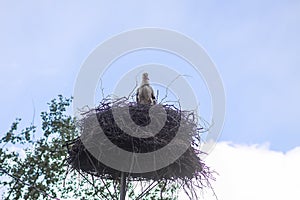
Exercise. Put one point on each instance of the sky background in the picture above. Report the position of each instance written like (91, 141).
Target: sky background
(254, 44)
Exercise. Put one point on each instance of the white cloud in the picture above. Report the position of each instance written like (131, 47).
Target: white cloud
(254, 172)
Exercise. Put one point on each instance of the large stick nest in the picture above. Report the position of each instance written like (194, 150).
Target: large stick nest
(186, 167)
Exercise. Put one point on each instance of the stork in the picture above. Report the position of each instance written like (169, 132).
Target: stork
(145, 93)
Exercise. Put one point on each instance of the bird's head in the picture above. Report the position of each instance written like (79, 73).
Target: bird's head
(145, 76)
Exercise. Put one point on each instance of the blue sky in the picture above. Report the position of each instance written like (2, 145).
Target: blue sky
(254, 45)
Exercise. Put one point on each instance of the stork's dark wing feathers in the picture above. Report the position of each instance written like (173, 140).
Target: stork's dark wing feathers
(137, 96)
(152, 96)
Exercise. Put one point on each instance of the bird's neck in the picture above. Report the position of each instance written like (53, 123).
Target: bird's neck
(145, 82)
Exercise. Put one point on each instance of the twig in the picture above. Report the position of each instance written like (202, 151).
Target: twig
(167, 88)
(147, 190)
(27, 184)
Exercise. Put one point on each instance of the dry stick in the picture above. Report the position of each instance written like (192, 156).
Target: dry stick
(96, 193)
(102, 88)
(193, 191)
(11, 190)
(134, 186)
(185, 190)
(67, 172)
(210, 186)
(33, 114)
(107, 188)
(93, 179)
(27, 184)
(131, 166)
(162, 190)
(115, 183)
(99, 173)
(190, 186)
(147, 190)
(167, 88)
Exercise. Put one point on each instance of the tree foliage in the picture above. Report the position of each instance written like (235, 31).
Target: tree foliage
(33, 162)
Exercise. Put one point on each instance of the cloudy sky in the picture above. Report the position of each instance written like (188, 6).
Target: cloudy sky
(253, 44)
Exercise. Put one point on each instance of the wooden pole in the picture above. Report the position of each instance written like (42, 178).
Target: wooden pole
(123, 186)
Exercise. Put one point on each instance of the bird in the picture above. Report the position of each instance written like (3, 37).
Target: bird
(145, 93)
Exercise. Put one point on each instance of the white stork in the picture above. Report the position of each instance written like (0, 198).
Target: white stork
(145, 93)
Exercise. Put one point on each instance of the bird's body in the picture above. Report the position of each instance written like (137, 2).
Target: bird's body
(145, 93)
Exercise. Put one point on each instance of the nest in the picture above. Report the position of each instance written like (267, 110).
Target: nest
(187, 167)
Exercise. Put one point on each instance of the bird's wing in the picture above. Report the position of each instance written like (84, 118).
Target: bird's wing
(152, 95)
(137, 95)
